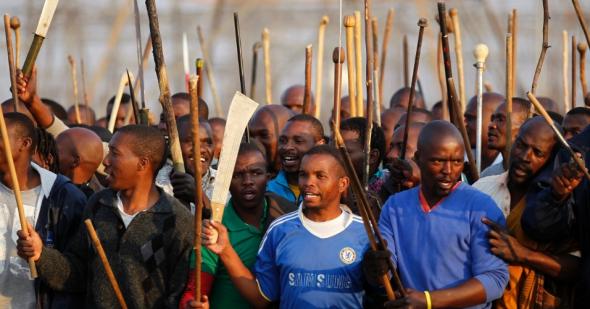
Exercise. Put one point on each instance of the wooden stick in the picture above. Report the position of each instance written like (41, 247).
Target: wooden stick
(422, 23)
(360, 110)
(199, 64)
(557, 132)
(582, 47)
(564, 55)
(509, 95)
(162, 75)
(442, 13)
(239, 48)
(105, 262)
(11, 64)
(74, 87)
(386, 35)
(405, 59)
(134, 104)
(371, 228)
(193, 88)
(7, 147)
(338, 59)
(514, 32)
(320, 66)
(255, 49)
(481, 53)
(15, 25)
(442, 82)
(266, 56)
(581, 19)
(369, 80)
(307, 93)
(117, 103)
(207, 66)
(376, 100)
(140, 80)
(574, 67)
(84, 93)
(461, 126)
(349, 25)
(543, 48)
(459, 56)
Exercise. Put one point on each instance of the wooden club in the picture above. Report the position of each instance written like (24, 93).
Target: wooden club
(307, 91)
(320, 66)
(349, 25)
(582, 47)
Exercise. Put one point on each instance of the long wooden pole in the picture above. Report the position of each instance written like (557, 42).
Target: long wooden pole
(199, 67)
(74, 87)
(564, 55)
(386, 35)
(338, 59)
(461, 126)
(405, 61)
(514, 32)
(267, 72)
(369, 82)
(422, 23)
(459, 55)
(162, 75)
(442, 13)
(255, 49)
(117, 103)
(239, 49)
(105, 262)
(481, 53)
(209, 73)
(349, 25)
(360, 110)
(509, 95)
(442, 82)
(193, 90)
(543, 48)
(581, 19)
(574, 69)
(320, 66)
(582, 47)
(376, 99)
(11, 63)
(7, 148)
(84, 89)
(15, 25)
(307, 93)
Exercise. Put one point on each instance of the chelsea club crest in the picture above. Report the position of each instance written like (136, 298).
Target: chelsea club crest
(347, 255)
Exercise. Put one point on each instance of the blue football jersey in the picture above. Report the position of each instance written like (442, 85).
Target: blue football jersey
(304, 270)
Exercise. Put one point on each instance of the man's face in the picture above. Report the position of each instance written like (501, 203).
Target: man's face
(186, 147)
(574, 124)
(18, 146)
(471, 122)
(121, 164)
(530, 151)
(321, 181)
(497, 126)
(218, 131)
(264, 128)
(441, 164)
(122, 113)
(388, 121)
(397, 143)
(295, 140)
(355, 149)
(248, 183)
(294, 100)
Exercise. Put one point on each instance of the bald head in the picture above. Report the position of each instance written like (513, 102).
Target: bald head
(292, 99)
(549, 104)
(402, 97)
(87, 115)
(80, 153)
(438, 132)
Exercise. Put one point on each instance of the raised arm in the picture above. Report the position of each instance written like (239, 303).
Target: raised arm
(27, 93)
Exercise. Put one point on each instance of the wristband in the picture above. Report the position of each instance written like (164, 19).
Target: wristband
(428, 300)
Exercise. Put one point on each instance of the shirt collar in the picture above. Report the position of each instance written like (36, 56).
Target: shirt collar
(234, 223)
(424, 203)
(47, 179)
(163, 205)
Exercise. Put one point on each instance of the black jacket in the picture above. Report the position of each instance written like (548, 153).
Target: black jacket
(59, 218)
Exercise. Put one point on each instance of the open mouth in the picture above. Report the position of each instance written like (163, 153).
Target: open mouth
(309, 196)
(249, 195)
(445, 184)
(290, 160)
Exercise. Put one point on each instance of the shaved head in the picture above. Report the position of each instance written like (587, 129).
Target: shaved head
(266, 125)
(402, 97)
(80, 153)
(292, 99)
(437, 132)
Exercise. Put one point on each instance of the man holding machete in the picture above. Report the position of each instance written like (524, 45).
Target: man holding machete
(308, 258)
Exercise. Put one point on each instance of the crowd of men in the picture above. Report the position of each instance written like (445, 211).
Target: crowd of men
(291, 235)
